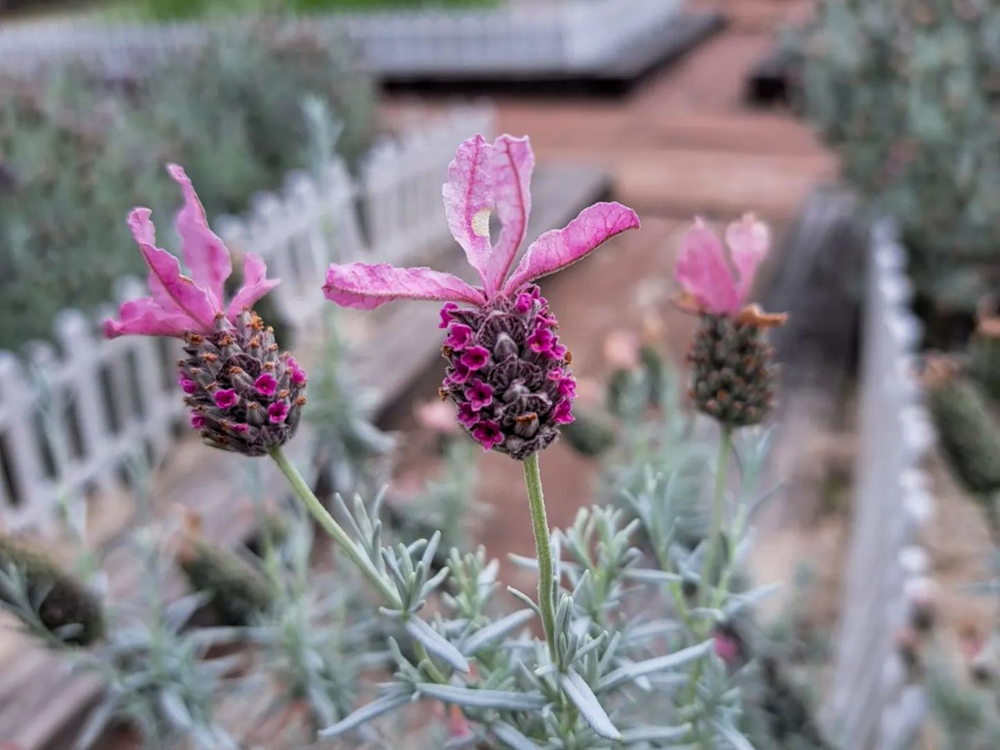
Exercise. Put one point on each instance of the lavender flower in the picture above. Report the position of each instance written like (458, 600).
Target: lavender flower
(731, 364)
(245, 394)
(507, 373)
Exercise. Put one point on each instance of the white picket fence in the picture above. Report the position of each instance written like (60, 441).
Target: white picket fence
(557, 37)
(872, 706)
(71, 418)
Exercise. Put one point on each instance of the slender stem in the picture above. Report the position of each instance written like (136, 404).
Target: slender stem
(543, 549)
(333, 528)
(718, 509)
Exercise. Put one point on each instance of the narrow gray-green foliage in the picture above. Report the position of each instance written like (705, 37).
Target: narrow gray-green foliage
(77, 153)
(905, 92)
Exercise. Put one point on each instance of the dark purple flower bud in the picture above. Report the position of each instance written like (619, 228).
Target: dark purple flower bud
(247, 395)
(510, 380)
(732, 369)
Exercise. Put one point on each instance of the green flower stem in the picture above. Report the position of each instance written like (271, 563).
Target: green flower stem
(718, 510)
(333, 528)
(543, 548)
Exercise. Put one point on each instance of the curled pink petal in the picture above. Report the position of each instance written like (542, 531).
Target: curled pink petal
(563, 412)
(749, 241)
(468, 201)
(476, 357)
(179, 304)
(487, 433)
(226, 398)
(458, 336)
(446, 310)
(144, 317)
(277, 412)
(366, 285)
(205, 254)
(172, 291)
(511, 164)
(703, 273)
(255, 285)
(559, 248)
(266, 384)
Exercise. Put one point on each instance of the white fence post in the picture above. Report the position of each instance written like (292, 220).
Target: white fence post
(872, 707)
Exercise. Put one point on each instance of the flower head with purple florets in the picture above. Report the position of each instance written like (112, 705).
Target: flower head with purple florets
(507, 373)
(731, 364)
(245, 394)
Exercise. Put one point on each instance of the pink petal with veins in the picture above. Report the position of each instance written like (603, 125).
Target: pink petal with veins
(749, 241)
(703, 272)
(171, 290)
(468, 201)
(560, 248)
(204, 253)
(511, 163)
(255, 285)
(367, 285)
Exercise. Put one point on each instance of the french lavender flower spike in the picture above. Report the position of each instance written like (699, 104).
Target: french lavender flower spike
(731, 364)
(245, 394)
(508, 373)
(732, 369)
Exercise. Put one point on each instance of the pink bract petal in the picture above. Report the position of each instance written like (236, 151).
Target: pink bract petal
(559, 248)
(468, 201)
(749, 241)
(367, 285)
(255, 285)
(703, 272)
(205, 255)
(144, 317)
(511, 163)
(171, 290)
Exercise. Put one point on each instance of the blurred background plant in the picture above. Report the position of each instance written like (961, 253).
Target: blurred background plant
(906, 94)
(177, 9)
(76, 153)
